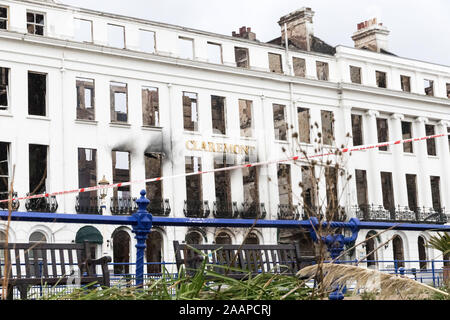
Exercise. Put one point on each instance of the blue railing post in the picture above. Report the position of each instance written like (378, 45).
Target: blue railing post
(141, 229)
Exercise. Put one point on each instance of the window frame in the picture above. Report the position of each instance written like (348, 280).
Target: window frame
(46, 93)
(124, 35)
(44, 29)
(7, 90)
(113, 111)
(140, 40)
(183, 38)
(84, 87)
(7, 17)
(92, 29)
(208, 44)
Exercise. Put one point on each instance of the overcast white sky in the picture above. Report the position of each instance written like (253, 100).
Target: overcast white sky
(419, 29)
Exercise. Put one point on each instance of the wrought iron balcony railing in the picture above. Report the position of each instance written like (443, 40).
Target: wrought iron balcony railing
(159, 207)
(49, 204)
(253, 210)
(225, 210)
(4, 205)
(196, 209)
(88, 205)
(123, 206)
(288, 212)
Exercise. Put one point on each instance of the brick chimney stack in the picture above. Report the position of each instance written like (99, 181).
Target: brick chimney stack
(299, 25)
(371, 35)
(245, 33)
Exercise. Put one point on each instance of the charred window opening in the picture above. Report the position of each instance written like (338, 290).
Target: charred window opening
(121, 173)
(279, 121)
(185, 48)
(153, 165)
(193, 237)
(407, 134)
(3, 18)
(383, 132)
(299, 67)
(121, 252)
(331, 180)
(431, 143)
(218, 114)
(85, 99)
(381, 79)
(116, 36)
(387, 190)
(83, 30)
(150, 106)
(284, 184)
(222, 181)
(87, 175)
(357, 130)
(194, 188)
(119, 102)
(411, 189)
(327, 127)
(405, 83)
(214, 53)
(147, 41)
(154, 252)
(35, 23)
(222, 238)
(448, 90)
(38, 167)
(428, 86)
(303, 125)
(421, 244)
(355, 74)
(361, 188)
(242, 57)
(436, 193)
(275, 63)
(397, 247)
(251, 189)
(190, 111)
(4, 169)
(322, 70)
(37, 94)
(309, 193)
(245, 117)
(4, 88)
(252, 239)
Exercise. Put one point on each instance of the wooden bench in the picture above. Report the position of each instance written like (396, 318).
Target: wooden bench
(251, 258)
(50, 264)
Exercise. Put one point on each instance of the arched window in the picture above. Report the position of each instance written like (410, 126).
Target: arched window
(193, 237)
(2, 252)
(36, 253)
(2, 236)
(252, 239)
(370, 253)
(422, 253)
(223, 238)
(121, 251)
(37, 237)
(397, 244)
(154, 252)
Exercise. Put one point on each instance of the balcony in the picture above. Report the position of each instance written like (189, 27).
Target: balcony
(196, 209)
(41, 204)
(253, 210)
(225, 210)
(88, 205)
(159, 207)
(288, 212)
(4, 205)
(123, 206)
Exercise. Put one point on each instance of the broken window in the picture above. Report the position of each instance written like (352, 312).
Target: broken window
(4, 88)
(245, 117)
(194, 183)
(242, 57)
(309, 193)
(218, 114)
(381, 79)
(154, 252)
(431, 143)
(279, 120)
(85, 99)
(185, 48)
(397, 247)
(147, 41)
(35, 23)
(405, 83)
(37, 94)
(299, 67)
(251, 189)
(448, 90)
(3, 18)
(121, 173)
(436, 193)
(284, 184)
(83, 30)
(150, 106)
(275, 63)
(327, 127)
(190, 111)
(116, 36)
(322, 70)
(407, 134)
(222, 182)
(383, 132)
(387, 190)
(331, 181)
(38, 168)
(357, 130)
(87, 176)
(411, 189)
(119, 102)
(214, 52)
(361, 188)
(222, 238)
(4, 169)
(303, 125)
(355, 74)
(153, 165)
(428, 86)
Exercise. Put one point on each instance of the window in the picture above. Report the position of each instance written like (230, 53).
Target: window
(38, 168)
(407, 134)
(327, 127)
(322, 70)
(222, 183)
(116, 36)
(4, 88)
(383, 133)
(121, 252)
(284, 184)
(428, 86)
(242, 57)
(153, 164)
(4, 18)
(222, 238)
(411, 190)
(309, 192)
(355, 74)
(299, 67)
(387, 191)
(121, 173)
(190, 111)
(448, 131)
(194, 183)
(421, 245)
(303, 125)
(431, 143)
(37, 94)
(150, 106)
(381, 79)
(154, 252)
(436, 193)
(251, 189)
(83, 30)
(448, 90)
(36, 256)
(185, 48)
(214, 53)
(245, 117)
(331, 181)
(357, 130)
(4, 170)
(147, 42)
(361, 188)
(275, 63)
(397, 247)
(279, 120)
(218, 114)
(405, 83)
(87, 177)
(85, 99)
(119, 102)
(35, 23)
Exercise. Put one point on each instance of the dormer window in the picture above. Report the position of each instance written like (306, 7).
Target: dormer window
(35, 23)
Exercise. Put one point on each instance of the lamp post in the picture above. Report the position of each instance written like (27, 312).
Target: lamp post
(103, 193)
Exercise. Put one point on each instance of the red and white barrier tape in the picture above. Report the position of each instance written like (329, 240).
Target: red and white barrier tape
(256, 164)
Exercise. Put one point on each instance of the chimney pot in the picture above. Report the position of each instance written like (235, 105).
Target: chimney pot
(371, 35)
